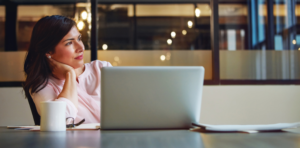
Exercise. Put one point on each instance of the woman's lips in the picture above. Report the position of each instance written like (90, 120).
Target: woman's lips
(79, 57)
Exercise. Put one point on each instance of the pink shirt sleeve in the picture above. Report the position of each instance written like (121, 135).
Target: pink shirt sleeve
(48, 94)
(105, 64)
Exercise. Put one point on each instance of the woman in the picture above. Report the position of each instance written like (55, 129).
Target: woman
(56, 71)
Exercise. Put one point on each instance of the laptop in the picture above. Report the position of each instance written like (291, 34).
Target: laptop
(150, 97)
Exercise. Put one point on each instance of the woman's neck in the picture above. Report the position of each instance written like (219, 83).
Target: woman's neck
(79, 71)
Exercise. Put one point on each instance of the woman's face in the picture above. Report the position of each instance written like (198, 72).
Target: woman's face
(70, 49)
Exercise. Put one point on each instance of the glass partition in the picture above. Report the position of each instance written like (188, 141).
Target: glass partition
(233, 23)
(28, 15)
(173, 26)
(83, 18)
(2, 27)
(297, 26)
(155, 35)
(154, 26)
(285, 13)
(116, 26)
(260, 65)
(12, 64)
(280, 63)
(159, 58)
(165, 34)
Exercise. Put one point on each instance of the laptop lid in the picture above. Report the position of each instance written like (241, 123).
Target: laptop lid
(150, 97)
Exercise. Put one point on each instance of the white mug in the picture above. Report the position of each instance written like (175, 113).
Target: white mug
(53, 116)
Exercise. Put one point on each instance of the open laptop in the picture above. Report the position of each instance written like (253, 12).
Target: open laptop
(151, 97)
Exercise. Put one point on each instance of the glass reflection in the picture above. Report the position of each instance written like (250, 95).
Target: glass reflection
(233, 20)
(49, 139)
(285, 20)
(149, 26)
(83, 139)
(260, 65)
(153, 138)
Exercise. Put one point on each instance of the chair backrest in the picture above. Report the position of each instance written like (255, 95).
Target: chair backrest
(35, 114)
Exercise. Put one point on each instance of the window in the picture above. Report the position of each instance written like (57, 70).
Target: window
(155, 35)
(233, 22)
(285, 13)
(28, 15)
(176, 34)
(279, 63)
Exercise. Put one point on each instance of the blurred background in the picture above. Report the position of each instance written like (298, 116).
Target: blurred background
(257, 40)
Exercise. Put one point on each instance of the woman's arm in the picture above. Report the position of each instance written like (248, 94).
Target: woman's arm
(48, 94)
(65, 72)
(69, 90)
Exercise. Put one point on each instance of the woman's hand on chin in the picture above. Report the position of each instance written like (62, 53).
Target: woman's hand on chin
(59, 70)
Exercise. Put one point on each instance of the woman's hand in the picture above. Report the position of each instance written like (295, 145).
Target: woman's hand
(59, 70)
(65, 72)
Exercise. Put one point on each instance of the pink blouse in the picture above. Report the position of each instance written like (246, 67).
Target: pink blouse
(88, 89)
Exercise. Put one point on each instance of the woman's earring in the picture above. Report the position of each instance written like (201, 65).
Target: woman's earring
(49, 57)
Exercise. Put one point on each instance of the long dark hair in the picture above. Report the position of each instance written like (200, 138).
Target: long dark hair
(46, 34)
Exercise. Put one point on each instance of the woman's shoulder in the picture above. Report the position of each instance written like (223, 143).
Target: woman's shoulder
(99, 64)
(46, 89)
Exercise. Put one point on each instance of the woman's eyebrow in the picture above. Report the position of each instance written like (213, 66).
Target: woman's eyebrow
(71, 38)
(68, 39)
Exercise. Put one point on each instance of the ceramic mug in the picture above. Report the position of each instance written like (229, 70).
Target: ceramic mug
(53, 116)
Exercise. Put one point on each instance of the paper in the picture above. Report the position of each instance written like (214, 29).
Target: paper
(88, 126)
(246, 128)
(14, 127)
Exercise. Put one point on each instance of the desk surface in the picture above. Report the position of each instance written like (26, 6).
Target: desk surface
(146, 139)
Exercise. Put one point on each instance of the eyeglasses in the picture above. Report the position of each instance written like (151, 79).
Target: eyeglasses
(72, 125)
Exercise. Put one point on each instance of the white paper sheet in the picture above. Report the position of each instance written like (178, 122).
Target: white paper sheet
(87, 126)
(263, 127)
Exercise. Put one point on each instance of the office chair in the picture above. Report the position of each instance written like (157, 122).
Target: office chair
(35, 114)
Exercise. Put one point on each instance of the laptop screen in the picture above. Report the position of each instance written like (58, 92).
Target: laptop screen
(150, 97)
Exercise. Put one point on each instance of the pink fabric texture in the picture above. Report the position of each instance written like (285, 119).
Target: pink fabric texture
(88, 89)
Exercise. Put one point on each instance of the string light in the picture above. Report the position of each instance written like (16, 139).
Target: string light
(89, 18)
(104, 47)
(116, 58)
(162, 57)
(197, 12)
(169, 41)
(80, 25)
(84, 15)
(173, 34)
(190, 24)
(184, 32)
